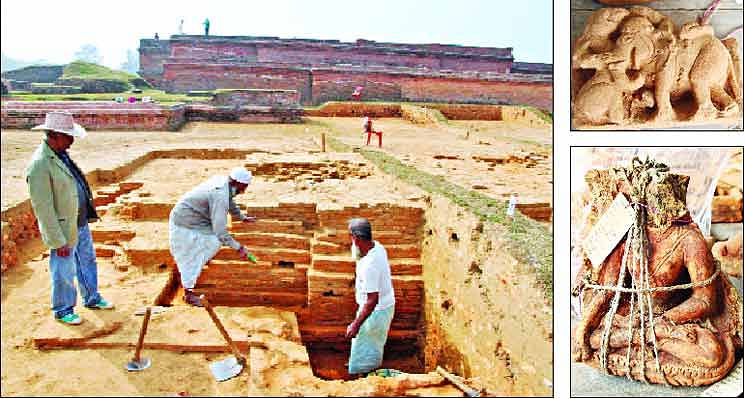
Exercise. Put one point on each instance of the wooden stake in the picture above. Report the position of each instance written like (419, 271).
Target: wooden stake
(323, 142)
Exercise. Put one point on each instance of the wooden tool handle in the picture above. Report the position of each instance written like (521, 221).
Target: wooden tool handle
(140, 340)
(220, 327)
(470, 392)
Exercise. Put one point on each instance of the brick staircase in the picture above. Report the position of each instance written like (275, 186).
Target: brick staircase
(279, 279)
(304, 266)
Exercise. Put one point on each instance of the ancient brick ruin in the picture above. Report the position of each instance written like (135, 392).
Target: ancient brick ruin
(328, 70)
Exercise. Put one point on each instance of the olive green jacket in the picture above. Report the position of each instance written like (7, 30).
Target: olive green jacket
(54, 197)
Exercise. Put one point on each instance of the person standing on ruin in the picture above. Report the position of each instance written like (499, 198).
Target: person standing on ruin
(63, 205)
(376, 302)
(198, 226)
(181, 27)
(206, 24)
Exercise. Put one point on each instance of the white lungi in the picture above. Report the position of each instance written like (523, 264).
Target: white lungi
(191, 249)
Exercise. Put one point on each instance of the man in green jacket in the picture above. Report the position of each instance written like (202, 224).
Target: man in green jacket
(63, 205)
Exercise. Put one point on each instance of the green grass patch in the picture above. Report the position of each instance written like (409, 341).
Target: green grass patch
(92, 72)
(527, 240)
(157, 95)
(87, 70)
(545, 116)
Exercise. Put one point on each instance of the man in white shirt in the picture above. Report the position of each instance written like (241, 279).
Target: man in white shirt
(374, 297)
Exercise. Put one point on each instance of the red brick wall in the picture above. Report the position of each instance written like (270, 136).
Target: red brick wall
(283, 98)
(244, 52)
(95, 115)
(465, 64)
(185, 77)
(332, 85)
(329, 55)
(430, 89)
(153, 53)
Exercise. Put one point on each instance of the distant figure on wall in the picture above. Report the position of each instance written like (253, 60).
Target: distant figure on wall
(206, 24)
(156, 36)
(181, 27)
(357, 93)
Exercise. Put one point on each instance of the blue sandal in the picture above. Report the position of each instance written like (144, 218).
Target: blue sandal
(70, 318)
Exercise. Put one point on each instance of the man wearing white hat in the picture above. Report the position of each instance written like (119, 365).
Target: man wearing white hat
(198, 226)
(63, 205)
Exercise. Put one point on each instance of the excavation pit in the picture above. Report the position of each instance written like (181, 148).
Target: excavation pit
(455, 296)
(305, 263)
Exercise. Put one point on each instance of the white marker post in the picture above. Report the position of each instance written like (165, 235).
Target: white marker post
(511, 207)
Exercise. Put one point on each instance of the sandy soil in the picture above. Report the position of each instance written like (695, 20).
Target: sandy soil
(29, 372)
(429, 147)
(265, 191)
(107, 149)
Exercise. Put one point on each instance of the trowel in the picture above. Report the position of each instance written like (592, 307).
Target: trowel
(140, 363)
(231, 367)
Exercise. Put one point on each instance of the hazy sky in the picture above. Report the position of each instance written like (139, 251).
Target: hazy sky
(54, 30)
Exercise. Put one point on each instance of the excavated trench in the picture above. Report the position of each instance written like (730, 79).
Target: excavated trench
(446, 314)
(305, 264)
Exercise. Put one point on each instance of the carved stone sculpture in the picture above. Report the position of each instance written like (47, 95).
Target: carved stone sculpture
(632, 66)
(657, 308)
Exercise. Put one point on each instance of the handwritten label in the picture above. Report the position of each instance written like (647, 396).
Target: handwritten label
(609, 230)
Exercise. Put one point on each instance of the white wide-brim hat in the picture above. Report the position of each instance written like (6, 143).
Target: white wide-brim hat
(61, 122)
(241, 175)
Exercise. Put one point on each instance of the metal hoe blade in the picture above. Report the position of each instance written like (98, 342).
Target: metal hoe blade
(226, 369)
(134, 365)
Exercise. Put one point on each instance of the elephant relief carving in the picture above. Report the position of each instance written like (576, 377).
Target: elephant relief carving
(633, 66)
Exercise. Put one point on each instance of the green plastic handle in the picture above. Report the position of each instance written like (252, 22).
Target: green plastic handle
(252, 258)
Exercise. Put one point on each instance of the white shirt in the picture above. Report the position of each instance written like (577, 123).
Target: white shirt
(374, 275)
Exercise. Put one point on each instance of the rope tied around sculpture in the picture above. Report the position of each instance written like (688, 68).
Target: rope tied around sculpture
(705, 18)
(635, 258)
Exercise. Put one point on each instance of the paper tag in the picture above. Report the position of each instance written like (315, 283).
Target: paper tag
(609, 230)
(729, 387)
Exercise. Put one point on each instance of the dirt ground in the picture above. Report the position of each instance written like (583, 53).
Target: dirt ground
(461, 152)
(25, 287)
(486, 139)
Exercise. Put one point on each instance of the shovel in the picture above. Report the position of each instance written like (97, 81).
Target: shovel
(470, 392)
(137, 363)
(228, 368)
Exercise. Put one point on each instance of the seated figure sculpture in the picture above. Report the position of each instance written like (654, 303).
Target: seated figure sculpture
(692, 325)
(632, 66)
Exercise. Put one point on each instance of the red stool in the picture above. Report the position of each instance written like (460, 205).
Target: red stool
(380, 137)
(369, 130)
